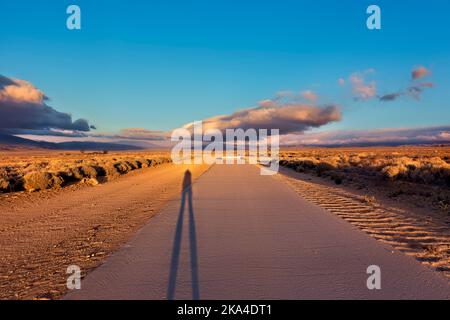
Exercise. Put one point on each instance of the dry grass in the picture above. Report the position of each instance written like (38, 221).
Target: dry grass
(421, 165)
(417, 174)
(39, 171)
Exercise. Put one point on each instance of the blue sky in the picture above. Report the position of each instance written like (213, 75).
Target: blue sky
(161, 64)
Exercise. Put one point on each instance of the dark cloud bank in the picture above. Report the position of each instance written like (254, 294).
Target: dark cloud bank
(24, 107)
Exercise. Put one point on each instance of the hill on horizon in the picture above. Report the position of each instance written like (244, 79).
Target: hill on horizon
(8, 142)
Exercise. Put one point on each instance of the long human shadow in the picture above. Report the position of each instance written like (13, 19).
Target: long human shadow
(185, 193)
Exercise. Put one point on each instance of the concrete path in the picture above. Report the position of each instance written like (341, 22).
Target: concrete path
(241, 235)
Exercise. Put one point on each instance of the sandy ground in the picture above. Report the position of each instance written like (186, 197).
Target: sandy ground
(42, 233)
(419, 232)
(239, 235)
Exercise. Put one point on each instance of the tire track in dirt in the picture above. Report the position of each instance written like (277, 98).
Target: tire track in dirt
(424, 238)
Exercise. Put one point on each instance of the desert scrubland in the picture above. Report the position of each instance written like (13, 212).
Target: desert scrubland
(398, 195)
(34, 171)
(419, 174)
(63, 208)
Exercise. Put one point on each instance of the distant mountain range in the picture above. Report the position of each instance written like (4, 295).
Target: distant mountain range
(373, 144)
(11, 142)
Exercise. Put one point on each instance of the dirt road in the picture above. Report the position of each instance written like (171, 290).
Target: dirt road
(42, 233)
(238, 235)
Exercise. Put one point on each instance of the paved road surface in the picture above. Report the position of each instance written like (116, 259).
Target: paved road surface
(247, 236)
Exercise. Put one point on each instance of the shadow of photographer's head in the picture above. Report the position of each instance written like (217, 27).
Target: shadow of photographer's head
(187, 180)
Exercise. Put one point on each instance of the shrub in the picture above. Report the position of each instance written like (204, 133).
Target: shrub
(121, 167)
(391, 172)
(323, 167)
(110, 170)
(4, 185)
(41, 180)
(91, 171)
(76, 173)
